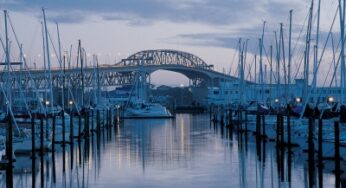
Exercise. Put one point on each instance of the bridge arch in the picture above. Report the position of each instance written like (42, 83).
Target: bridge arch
(192, 66)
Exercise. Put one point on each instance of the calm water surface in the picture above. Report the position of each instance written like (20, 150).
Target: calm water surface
(184, 152)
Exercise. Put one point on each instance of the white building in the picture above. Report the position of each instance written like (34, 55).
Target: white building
(232, 92)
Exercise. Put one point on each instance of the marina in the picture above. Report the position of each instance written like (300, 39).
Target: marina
(273, 117)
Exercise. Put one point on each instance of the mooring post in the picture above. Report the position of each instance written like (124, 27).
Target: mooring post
(282, 133)
(239, 121)
(337, 148)
(54, 167)
(106, 118)
(103, 118)
(71, 128)
(231, 118)
(263, 126)
(63, 141)
(9, 154)
(278, 129)
(41, 152)
(71, 140)
(258, 124)
(47, 126)
(311, 157)
(63, 127)
(246, 121)
(53, 136)
(320, 153)
(288, 127)
(86, 131)
(79, 126)
(320, 138)
(222, 119)
(88, 124)
(33, 152)
(92, 120)
(115, 122)
(97, 120)
(110, 117)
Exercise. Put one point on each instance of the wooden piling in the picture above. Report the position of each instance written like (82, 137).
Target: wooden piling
(320, 153)
(337, 149)
(102, 118)
(33, 152)
(246, 122)
(79, 127)
(288, 127)
(63, 127)
(71, 141)
(98, 125)
(115, 120)
(86, 129)
(258, 124)
(9, 154)
(311, 155)
(231, 118)
(53, 135)
(320, 138)
(282, 131)
(92, 121)
(41, 151)
(263, 127)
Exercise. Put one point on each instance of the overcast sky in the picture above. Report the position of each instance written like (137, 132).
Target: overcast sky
(114, 29)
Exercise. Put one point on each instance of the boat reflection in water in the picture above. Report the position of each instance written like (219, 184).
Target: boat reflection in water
(186, 151)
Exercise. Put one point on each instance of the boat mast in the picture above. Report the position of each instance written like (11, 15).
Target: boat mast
(48, 61)
(261, 66)
(271, 74)
(240, 71)
(80, 55)
(307, 52)
(7, 52)
(278, 52)
(98, 80)
(342, 52)
(289, 54)
(60, 61)
(283, 59)
(314, 84)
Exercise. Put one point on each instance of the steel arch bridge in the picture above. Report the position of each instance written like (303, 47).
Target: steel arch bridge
(161, 57)
(122, 73)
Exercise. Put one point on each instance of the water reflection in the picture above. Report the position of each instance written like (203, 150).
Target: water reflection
(184, 152)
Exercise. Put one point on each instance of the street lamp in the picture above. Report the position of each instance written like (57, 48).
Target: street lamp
(298, 100)
(70, 103)
(330, 99)
(47, 103)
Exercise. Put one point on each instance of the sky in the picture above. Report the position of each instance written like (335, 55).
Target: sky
(114, 29)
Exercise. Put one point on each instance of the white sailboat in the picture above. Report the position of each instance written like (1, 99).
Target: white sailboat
(141, 109)
(138, 107)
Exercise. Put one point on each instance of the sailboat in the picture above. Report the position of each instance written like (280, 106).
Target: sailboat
(138, 107)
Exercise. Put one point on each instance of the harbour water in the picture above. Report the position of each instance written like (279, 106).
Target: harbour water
(188, 151)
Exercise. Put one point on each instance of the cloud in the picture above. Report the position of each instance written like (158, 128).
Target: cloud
(215, 12)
